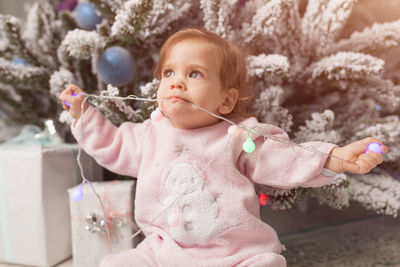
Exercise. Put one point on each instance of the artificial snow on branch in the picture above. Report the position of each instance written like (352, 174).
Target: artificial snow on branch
(81, 44)
(323, 22)
(264, 65)
(40, 32)
(377, 191)
(18, 74)
(319, 128)
(59, 81)
(130, 20)
(269, 109)
(344, 66)
(385, 35)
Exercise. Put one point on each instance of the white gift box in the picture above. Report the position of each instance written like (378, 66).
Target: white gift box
(34, 207)
(89, 240)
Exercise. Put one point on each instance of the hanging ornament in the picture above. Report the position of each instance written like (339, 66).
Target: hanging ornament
(375, 147)
(87, 16)
(19, 61)
(156, 115)
(263, 199)
(248, 145)
(66, 5)
(116, 66)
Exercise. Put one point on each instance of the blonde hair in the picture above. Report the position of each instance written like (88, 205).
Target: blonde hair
(233, 73)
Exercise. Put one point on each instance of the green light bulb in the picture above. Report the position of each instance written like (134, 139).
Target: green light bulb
(248, 145)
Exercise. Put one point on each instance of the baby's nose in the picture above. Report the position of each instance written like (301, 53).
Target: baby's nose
(177, 85)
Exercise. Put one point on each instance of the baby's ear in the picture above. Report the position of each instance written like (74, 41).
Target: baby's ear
(229, 101)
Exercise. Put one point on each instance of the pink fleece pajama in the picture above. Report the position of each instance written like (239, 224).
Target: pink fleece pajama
(204, 182)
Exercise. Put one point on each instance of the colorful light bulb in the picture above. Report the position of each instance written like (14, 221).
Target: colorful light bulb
(156, 115)
(234, 131)
(77, 195)
(375, 147)
(263, 199)
(248, 145)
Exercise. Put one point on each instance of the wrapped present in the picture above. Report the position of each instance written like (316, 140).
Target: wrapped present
(90, 241)
(35, 174)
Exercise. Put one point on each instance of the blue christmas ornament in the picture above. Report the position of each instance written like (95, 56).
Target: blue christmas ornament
(116, 66)
(19, 61)
(87, 17)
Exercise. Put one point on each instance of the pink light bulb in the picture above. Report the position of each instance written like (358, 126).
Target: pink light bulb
(156, 115)
(234, 131)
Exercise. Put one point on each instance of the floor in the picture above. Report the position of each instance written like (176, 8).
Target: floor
(317, 236)
(367, 242)
(66, 263)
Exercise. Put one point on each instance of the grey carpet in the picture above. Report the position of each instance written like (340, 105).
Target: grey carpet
(365, 242)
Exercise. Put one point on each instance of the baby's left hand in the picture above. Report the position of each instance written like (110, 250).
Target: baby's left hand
(358, 160)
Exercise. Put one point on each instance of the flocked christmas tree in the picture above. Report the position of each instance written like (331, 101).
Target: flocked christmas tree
(308, 78)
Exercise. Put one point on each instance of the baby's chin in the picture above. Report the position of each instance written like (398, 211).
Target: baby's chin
(178, 109)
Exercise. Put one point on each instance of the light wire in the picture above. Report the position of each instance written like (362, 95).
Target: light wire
(134, 97)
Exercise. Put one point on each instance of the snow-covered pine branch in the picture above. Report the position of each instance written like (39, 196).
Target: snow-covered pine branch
(130, 19)
(378, 191)
(264, 65)
(23, 75)
(385, 35)
(41, 33)
(344, 66)
(323, 22)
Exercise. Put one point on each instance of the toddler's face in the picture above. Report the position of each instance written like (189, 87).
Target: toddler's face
(190, 73)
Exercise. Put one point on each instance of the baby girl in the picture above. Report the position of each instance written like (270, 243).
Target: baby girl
(195, 197)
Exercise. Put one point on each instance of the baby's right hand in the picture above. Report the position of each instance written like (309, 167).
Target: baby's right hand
(71, 99)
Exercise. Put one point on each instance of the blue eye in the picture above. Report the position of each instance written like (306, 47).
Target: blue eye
(195, 74)
(168, 73)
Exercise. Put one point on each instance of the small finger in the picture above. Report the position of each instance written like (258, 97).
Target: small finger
(369, 159)
(77, 91)
(67, 91)
(364, 166)
(375, 157)
(70, 89)
(371, 139)
(351, 167)
(65, 105)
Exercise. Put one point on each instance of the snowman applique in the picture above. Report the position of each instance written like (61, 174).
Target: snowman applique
(192, 212)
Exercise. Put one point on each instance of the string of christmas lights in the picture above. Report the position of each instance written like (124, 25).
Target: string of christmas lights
(233, 131)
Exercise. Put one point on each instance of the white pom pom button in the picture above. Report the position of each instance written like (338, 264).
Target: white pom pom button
(173, 219)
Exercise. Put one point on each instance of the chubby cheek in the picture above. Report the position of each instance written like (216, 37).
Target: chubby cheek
(160, 96)
(159, 93)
